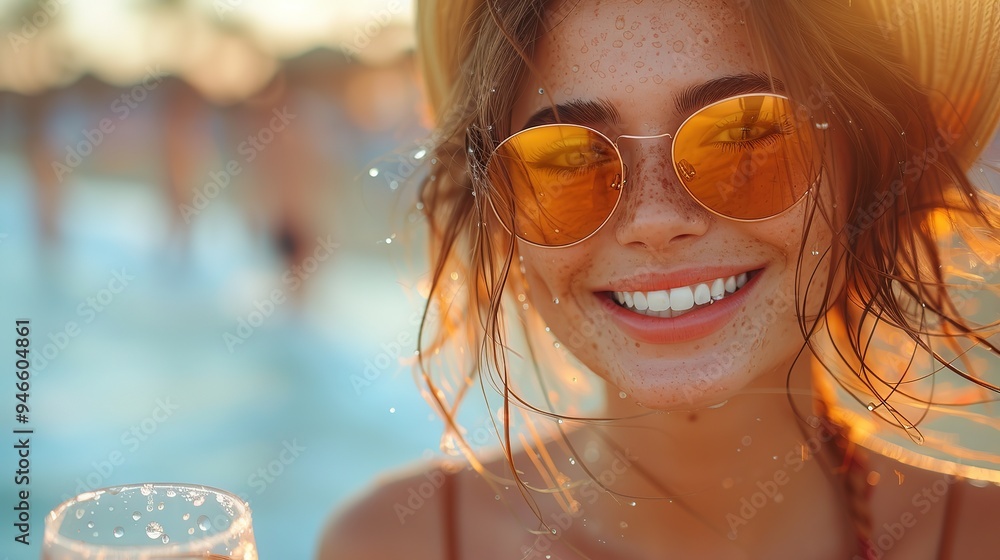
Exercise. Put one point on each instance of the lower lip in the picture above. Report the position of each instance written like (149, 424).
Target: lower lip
(686, 328)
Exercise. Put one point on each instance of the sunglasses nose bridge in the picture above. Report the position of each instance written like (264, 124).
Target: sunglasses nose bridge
(621, 137)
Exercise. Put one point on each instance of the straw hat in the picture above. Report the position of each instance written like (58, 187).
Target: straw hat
(952, 46)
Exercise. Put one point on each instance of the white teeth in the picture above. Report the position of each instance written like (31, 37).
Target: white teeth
(730, 284)
(702, 294)
(658, 301)
(718, 288)
(662, 303)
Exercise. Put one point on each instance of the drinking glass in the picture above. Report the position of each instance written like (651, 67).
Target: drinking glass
(150, 522)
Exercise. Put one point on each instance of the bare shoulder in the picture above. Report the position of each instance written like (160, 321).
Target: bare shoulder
(399, 516)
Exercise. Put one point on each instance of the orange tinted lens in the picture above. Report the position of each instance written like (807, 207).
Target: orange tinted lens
(747, 157)
(562, 180)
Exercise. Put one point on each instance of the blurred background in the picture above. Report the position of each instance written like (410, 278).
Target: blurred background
(196, 216)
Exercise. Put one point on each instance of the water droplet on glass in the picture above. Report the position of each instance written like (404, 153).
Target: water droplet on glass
(136, 516)
(572, 461)
(90, 524)
(420, 154)
(822, 125)
(191, 531)
(171, 493)
(164, 539)
(555, 301)
(146, 489)
(747, 440)
(80, 513)
(392, 410)
(203, 523)
(373, 172)
(815, 252)
(186, 516)
(154, 530)
(496, 497)
(576, 68)
(631, 504)
(198, 500)
(555, 345)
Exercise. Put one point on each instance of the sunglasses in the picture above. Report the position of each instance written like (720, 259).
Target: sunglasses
(747, 158)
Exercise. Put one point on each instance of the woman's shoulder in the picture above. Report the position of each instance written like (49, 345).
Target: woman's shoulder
(400, 515)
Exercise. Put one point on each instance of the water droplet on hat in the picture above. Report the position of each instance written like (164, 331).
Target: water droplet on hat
(392, 410)
(159, 506)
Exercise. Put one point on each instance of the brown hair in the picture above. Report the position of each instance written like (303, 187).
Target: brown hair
(906, 174)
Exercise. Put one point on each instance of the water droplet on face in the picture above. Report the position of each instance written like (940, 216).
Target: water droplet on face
(541, 91)
(154, 530)
(203, 523)
(822, 125)
(622, 394)
(572, 461)
(555, 301)
(118, 532)
(136, 516)
(631, 504)
(747, 440)
(496, 497)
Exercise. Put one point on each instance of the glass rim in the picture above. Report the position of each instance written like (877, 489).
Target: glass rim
(52, 536)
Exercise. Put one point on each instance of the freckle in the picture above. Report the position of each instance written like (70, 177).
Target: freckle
(629, 89)
(617, 44)
(657, 79)
(657, 44)
(628, 34)
(620, 22)
(678, 46)
(640, 64)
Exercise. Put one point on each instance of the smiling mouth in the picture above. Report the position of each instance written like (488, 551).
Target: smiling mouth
(681, 300)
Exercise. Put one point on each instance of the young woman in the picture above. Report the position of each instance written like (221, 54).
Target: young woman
(713, 209)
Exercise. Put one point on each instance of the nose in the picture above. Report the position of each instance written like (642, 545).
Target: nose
(656, 210)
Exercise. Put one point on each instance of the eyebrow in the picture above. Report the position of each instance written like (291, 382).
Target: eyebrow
(602, 110)
(695, 97)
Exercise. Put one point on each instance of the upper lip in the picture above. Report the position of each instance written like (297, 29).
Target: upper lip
(654, 281)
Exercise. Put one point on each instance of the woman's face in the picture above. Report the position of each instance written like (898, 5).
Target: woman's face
(638, 57)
